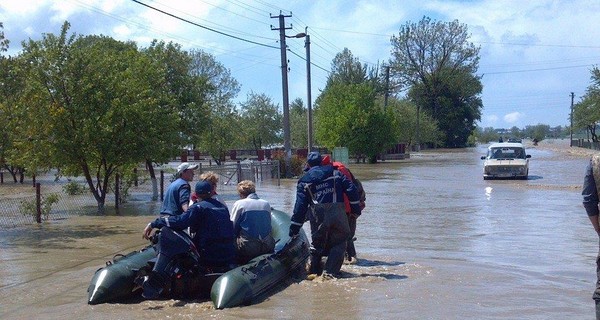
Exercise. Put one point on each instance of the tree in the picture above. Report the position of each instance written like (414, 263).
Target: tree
(345, 68)
(298, 124)
(93, 107)
(438, 64)
(3, 41)
(485, 135)
(586, 113)
(11, 87)
(346, 115)
(262, 122)
(538, 131)
(11, 96)
(219, 132)
(405, 114)
(346, 112)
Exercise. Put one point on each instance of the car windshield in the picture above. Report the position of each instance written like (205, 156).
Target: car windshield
(506, 153)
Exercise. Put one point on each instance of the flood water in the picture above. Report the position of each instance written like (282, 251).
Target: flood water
(435, 241)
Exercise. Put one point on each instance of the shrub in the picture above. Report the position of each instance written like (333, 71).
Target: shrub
(73, 188)
(296, 164)
(28, 207)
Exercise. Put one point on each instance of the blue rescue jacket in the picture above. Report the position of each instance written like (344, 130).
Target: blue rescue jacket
(327, 186)
(209, 222)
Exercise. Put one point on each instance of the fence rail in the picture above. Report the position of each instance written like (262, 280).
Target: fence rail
(53, 198)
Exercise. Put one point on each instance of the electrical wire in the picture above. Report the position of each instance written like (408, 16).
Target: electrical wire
(204, 27)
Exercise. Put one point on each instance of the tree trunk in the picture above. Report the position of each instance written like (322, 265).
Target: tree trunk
(153, 179)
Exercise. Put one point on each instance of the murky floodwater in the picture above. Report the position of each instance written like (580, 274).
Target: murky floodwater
(436, 241)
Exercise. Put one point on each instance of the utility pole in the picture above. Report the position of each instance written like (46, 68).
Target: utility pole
(284, 85)
(572, 99)
(417, 144)
(387, 86)
(308, 95)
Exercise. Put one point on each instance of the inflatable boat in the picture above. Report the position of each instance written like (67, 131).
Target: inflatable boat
(116, 282)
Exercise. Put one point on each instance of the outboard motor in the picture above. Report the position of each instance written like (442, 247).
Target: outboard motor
(176, 255)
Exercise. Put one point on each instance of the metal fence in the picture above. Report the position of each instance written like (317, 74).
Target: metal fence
(48, 197)
(585, 143)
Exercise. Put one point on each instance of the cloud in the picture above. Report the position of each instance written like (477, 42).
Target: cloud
(513, 117)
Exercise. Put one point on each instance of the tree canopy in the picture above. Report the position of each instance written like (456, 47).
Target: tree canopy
(346, 112)
(261, 121)
(437, 63)
(92, 107)
(586, 113)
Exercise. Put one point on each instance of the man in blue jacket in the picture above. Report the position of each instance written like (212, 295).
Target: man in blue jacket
(177, 197)
(322, 190)
(208, 220)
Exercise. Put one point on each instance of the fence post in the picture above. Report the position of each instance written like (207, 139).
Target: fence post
(162, 184)
(278, 173)
(38, 203)
(33, 180)
(239, 171)
(117, 189)
(254, 172)
(135, 177)
(2, 177)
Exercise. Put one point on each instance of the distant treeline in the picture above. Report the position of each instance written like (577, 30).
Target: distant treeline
(538, 131)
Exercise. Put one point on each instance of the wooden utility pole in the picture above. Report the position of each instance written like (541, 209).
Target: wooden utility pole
(572, 99)
(308, 91)
(387, 86)
(284, 85)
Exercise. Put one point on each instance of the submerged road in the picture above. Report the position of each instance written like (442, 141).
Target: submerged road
(436, 241)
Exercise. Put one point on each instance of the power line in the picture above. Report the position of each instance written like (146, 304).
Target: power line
(535, 70)
(311, 63)
(219, 25)
(248, 7)
(204, 27)
(235, 13)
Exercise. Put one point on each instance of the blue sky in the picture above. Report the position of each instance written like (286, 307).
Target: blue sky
(533, 53)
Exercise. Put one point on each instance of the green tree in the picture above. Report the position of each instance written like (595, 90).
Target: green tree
(347, 115)
(438, 64)
(346, 112)
(405, 114)
(185, 101)
(345, 68)
(485, 135)
(187, 89)
(586, 113)
(11, 96)
(262, 122)
(538, 131)
(298, 124)
(93, 109)
(217, 136)
(4, 43)
(11, 91)
(220, 132)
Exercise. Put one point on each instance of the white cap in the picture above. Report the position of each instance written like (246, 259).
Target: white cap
(186, 166)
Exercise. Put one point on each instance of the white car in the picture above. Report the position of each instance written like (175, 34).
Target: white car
(506, 160)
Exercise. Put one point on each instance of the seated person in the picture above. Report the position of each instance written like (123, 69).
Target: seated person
(208, 220)
(519, 154)
(251, 218)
